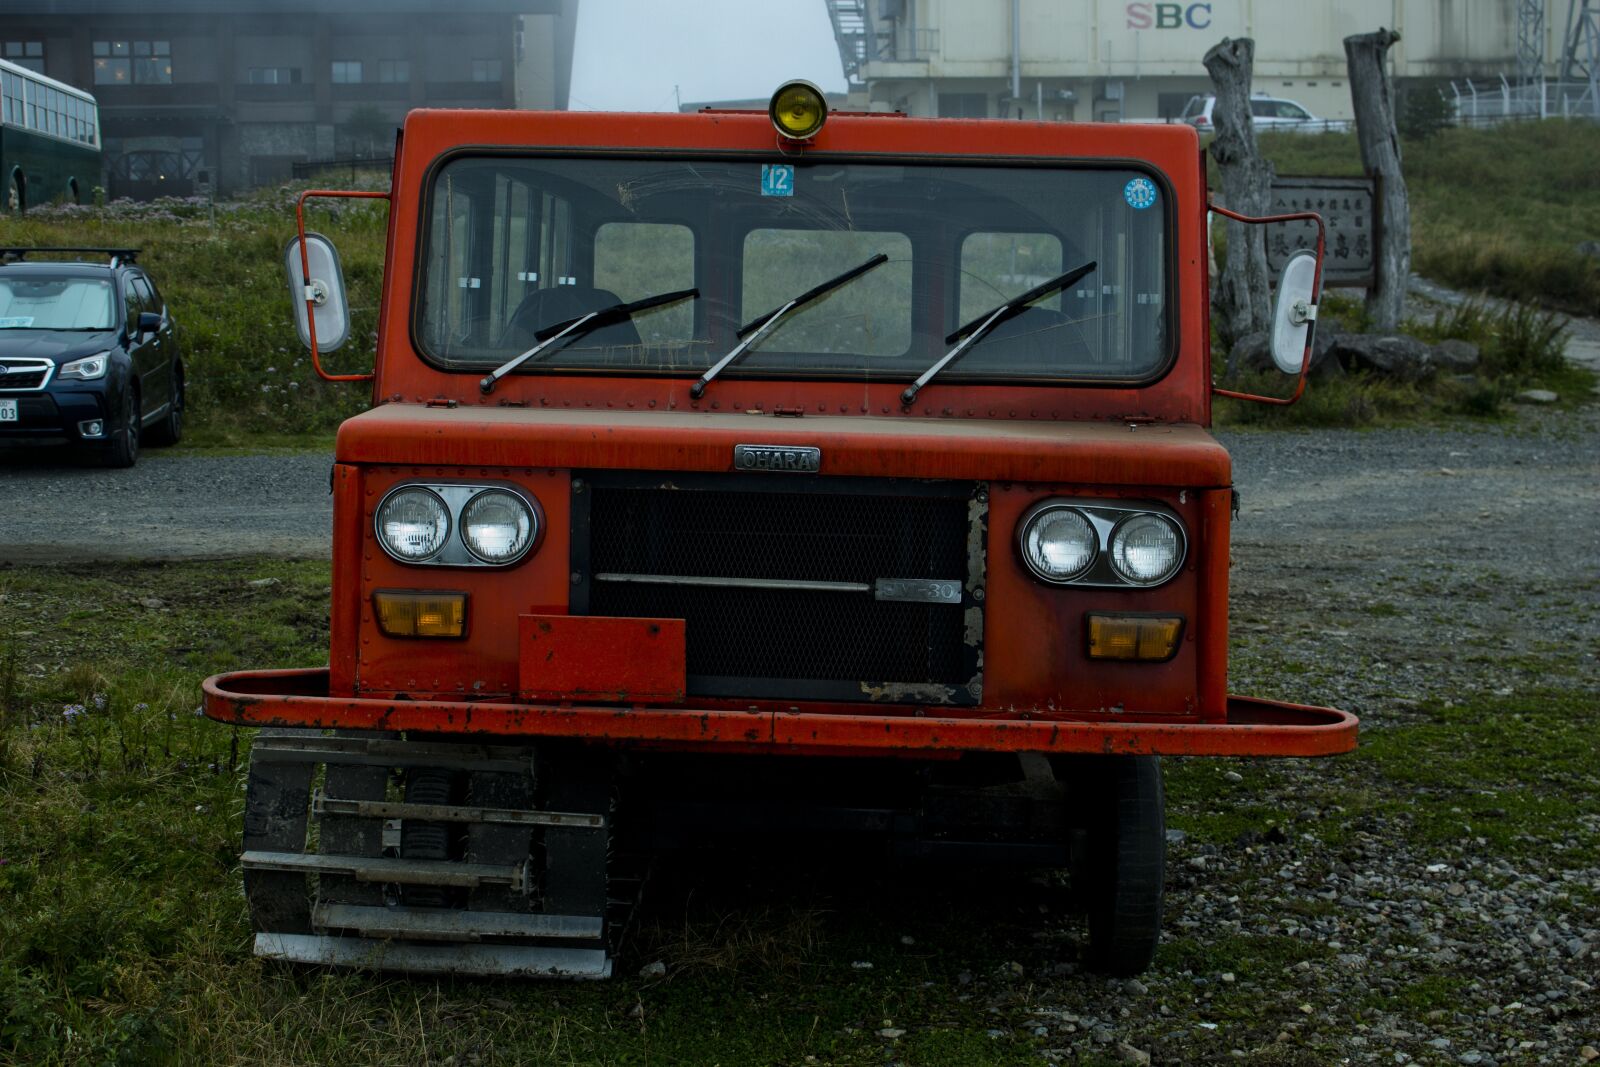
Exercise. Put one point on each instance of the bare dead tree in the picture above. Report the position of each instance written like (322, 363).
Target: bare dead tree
(1373, 96)
(1242, 299)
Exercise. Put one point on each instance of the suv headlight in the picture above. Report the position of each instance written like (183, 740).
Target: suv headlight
(85, 370)
(412, 524)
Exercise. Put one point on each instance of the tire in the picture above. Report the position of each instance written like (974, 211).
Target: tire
(123, 450)
(169, 431)
(1123, 867)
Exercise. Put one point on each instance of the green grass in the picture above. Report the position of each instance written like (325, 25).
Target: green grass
(1498, 209)
(248, 376)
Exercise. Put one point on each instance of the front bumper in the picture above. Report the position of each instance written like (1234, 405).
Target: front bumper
(299, 698)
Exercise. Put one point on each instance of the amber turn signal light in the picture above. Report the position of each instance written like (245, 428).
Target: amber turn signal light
(1146, 638)
(798, 110)
(420, 614)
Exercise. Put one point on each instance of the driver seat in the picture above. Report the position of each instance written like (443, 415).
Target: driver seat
(546, 307)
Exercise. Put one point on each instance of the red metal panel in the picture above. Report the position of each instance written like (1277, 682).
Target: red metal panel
(1210, 630)
(1253, 727)
(486, 663)
(578, 657)
(345, 607)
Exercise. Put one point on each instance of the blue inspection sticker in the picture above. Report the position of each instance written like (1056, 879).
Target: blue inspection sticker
(1140, 193)
(16, 322)
(777, 179)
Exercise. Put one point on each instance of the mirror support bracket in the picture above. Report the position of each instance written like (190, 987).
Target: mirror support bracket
(316, 291)
(1298, 314)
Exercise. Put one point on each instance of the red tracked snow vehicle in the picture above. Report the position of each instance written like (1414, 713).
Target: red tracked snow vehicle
(844, 471)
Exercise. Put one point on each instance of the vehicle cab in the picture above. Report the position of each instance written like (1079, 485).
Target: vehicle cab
(739, 438)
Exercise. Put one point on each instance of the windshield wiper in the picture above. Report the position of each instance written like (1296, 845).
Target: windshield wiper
(974, 331)
(576, 328)
(761, 325)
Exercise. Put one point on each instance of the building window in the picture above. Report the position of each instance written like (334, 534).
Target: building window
(391, 71)
(486, 70)
(133, 62)
(346, 71)
(963, 106)
(29, 54)
(274, 76)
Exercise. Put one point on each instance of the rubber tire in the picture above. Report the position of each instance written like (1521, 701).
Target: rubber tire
(169, 431)
(123, 451)
(1125, 864)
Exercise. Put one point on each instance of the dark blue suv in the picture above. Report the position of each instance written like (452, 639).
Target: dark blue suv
(88, 354)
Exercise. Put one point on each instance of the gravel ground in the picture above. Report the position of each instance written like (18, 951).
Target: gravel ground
(172, 505)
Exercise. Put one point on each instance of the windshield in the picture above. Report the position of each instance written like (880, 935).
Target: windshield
(56, 304)
(516, 246)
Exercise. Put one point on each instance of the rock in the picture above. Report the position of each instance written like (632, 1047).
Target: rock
(1136, 987)
(1588, 1054)
(1126, 1053)
(262, 583)
(1176, 837)
(1234, 776)
(1228, 978)
(1253, 352)
(1588, 249)
(891, 1032)
(1537, 396)
(1392, 355)
(1457, 357)
(653, 970)
(861, 965)
(153, 602)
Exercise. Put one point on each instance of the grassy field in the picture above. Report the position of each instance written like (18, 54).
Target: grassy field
(1500, 209)
(250, 380)
(124, 938)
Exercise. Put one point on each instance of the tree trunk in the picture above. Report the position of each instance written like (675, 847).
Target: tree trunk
(1373, 97)
(1241, 300)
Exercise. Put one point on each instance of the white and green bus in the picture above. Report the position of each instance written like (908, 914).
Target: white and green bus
(49, 140)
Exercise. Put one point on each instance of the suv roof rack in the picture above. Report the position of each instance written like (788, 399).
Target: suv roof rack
(119, 256)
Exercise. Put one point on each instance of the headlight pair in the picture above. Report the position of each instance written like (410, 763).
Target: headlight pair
(1070, 542)
(457, 525)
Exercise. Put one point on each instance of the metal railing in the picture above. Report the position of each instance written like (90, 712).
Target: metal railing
(315, 168)
(1488, 104)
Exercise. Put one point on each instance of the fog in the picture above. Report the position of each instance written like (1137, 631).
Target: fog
(631, 53)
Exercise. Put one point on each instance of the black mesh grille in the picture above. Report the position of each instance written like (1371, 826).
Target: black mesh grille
(790, 641)
(29, 378)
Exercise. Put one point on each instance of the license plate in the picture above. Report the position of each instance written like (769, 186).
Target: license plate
(8, 411)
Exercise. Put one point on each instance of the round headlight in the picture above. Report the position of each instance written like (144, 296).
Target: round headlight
(498, 526)
(1059, 544)
(413, 524)
(1146, 549)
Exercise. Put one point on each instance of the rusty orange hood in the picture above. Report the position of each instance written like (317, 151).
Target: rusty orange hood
(1092, 453)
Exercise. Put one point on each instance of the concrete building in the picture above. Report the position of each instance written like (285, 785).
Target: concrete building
(1114, 60)
(233, 93)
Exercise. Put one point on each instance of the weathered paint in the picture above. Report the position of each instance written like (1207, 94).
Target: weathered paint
(1252, 727)
(580, 657)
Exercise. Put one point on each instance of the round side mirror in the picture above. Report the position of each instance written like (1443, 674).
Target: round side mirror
(1295, 311)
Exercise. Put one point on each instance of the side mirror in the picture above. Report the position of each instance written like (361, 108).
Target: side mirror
(316, 278)
(149, 323)
(1294, 312)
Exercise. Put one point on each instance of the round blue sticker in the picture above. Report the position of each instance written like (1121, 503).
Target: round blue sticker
(1140, 193)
